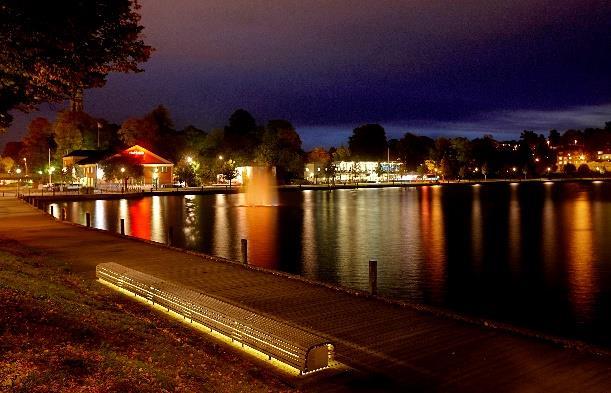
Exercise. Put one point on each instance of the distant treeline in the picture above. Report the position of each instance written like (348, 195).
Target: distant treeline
(201, 154)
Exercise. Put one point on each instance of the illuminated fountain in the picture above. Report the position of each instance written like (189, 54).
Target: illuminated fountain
(261, 187)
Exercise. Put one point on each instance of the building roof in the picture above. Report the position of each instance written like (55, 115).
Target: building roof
(88, 156)
(145, 156)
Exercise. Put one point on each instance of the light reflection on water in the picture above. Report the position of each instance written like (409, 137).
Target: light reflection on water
(532, 254)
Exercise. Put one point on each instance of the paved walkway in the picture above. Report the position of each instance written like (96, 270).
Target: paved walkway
(424, 351)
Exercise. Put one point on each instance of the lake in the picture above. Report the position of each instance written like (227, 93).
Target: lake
(536, 255)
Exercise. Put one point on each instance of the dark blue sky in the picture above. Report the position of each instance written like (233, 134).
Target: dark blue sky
(433, 67)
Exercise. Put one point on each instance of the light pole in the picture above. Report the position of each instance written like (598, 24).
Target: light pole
(18, 171)
(124, 180)
(99, 126)
(51, 170)
(25, 162)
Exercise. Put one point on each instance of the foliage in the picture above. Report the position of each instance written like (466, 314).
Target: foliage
(112, 168)
(74, 130)
(241, 136)
(6, 164)
(368, 142)
(137, 131)
(52, 50)
(281, 147)
(584, 170)
(13, 150)
(186, 171)
(413, 150)
(37, 142)
(191, 141)
(341, 153)
(319, 155)
(569, 169)
(229, 171)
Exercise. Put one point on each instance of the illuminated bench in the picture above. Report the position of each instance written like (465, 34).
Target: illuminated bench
(296, 347)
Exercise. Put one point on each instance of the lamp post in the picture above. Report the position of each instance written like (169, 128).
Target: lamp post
(18, 171)
(51, 170)
(124, 180)
(25, 162)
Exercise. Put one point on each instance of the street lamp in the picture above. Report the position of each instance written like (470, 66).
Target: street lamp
(123, 181)
(25, 162)
(18, 172)
(51, 170)
(220, 157)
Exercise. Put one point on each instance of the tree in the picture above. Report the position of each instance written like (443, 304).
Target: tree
(584, 170)
(281, 147)
(241, 136)
(368, 142)
(229, 171)
(342, 153)
(413, 150)
(74, 130)
(320, 156)
(569, 169)
(6, 164)
(122, 167)
(37, 142)
(52, 50)
(191, 141)
(13, 150)
(167, 143)
(186, 171)
(554, 138)
(486, 155)
(138, 131)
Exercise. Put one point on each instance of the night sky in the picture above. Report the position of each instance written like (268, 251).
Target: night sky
(433, 67)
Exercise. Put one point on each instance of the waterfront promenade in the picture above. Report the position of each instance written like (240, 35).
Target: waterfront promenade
(422, 350)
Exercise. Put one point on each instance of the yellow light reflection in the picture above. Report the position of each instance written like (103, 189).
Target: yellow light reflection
(477, 240)
(262, 236)
(514, 230)
(580, 258)
(432, 232)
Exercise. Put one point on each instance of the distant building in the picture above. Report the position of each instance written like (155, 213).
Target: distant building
(575, 156)
(600, 162)
(365, 171)
(86, 165)
(603, 155)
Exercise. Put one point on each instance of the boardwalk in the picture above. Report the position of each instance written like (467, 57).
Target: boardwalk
(424, 351)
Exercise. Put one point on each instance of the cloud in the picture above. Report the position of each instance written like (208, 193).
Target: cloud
(501, 124)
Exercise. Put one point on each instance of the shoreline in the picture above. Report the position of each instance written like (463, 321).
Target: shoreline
(213, 190)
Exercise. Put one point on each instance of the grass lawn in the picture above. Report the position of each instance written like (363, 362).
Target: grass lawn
(61, 331)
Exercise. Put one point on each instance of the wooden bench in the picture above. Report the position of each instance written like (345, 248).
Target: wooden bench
(296, 347)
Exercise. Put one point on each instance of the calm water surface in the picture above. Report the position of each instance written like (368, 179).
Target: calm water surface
(533, 254)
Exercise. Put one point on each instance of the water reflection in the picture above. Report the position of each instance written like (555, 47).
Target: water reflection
(261, 233)
(580, 258)
(433, 241)
(532, 254)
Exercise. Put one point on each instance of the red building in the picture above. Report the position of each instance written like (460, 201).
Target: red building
(86, 166)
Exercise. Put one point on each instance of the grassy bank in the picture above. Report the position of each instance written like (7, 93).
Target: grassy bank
(60, 331)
